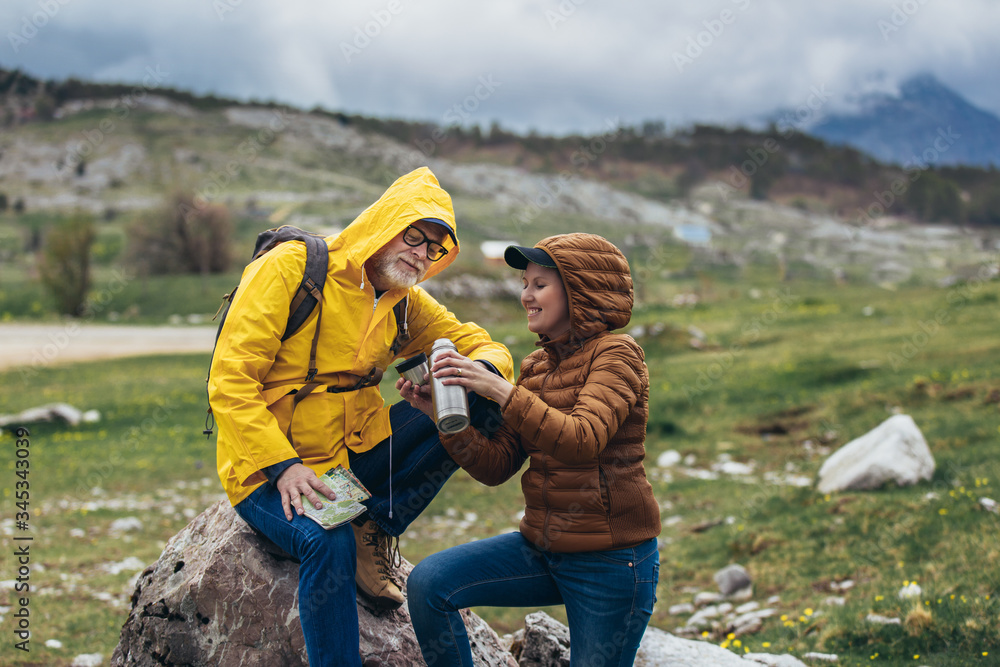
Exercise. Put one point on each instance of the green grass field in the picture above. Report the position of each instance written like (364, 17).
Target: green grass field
(786, 374)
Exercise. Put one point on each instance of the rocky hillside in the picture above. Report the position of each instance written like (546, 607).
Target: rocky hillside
(124, 155)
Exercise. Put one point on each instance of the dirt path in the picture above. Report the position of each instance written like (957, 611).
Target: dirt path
(50, 344)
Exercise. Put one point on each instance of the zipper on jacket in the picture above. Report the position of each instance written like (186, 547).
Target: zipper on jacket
(545, 468)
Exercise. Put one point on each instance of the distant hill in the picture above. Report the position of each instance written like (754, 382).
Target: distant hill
(924, 122)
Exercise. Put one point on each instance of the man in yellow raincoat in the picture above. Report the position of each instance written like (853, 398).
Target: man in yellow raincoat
(266, 463)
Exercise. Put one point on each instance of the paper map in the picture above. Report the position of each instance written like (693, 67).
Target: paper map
(350, 493)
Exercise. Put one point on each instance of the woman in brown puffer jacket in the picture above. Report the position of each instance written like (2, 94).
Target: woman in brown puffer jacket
(578, 414)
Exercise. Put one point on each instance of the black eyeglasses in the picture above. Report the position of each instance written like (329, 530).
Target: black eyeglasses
(414, 236)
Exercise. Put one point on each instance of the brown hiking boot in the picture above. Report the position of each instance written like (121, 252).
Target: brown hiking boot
(376, 561)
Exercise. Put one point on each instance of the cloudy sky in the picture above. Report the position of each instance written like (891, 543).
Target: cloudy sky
(552, 66)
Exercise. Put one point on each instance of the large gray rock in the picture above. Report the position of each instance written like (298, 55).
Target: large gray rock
(546, 644)
(220, 596)
(895, 451)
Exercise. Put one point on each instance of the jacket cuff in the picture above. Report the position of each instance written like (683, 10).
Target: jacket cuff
(490, 367)
(273, 472)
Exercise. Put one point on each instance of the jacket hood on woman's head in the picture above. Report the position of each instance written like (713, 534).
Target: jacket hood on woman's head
(597, 280)
(414, 196)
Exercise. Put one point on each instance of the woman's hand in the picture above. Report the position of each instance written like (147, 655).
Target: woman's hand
(419, 396)
(452, 368)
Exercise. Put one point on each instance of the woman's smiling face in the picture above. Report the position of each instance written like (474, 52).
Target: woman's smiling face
(544, 297)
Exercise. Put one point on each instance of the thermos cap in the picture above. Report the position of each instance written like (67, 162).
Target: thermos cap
(412, 362)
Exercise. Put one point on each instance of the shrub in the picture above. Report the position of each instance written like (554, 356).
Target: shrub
(184, 237)
(65, 265)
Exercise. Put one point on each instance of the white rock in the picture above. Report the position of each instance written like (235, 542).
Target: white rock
(748, 627)
(53, 643)
(882, 620)
(734, 468)
(824, 657)
(752, 617)
(126, 524)
(130, 564)
(910, 591)
(748, 607)
(678, 609)
(989, 505)
(707, 597)
(835, 601)
(845, 585)
(704, 617)
(893, 451)
(660, 648)
(87, 660)
(91, 417)
(668, 459)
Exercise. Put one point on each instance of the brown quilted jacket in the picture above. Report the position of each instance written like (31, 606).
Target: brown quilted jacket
(578, 414)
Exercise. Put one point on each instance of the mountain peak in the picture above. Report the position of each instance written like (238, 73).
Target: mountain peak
(901, 124)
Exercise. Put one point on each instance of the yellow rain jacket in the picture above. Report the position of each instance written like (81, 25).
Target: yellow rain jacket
(253, 371)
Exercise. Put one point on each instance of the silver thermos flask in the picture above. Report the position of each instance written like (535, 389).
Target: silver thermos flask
(451, 405)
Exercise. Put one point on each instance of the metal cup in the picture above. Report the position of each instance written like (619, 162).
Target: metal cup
(414, 369)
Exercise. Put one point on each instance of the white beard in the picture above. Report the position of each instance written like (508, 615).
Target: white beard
(390, 275)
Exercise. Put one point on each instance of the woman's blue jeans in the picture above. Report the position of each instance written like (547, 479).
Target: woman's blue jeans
(609, 595)
(419, 467)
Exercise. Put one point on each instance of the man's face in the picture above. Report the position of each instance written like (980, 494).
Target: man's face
(398, 265)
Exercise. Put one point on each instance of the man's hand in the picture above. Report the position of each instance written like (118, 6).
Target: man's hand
(296, 481)
(417, 396)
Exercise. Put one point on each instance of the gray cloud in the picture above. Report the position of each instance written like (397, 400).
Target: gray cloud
(557, 66)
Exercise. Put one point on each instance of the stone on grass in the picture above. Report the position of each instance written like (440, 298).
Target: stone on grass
(221, 595)
(732, 579)
(894, 451)
(707, 597)
(668, 459)
(989, 505)
(878, 619)
(822, 657)
(683, 608)
(87, 660)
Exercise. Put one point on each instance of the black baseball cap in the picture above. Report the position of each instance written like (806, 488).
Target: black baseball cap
(446, 226)
(518, 257)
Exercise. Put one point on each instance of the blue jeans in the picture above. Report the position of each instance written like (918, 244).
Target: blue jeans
(327, 559)
(609, 595)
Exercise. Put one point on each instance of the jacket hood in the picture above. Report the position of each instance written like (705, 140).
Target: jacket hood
(597, 280)
(414, 196)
